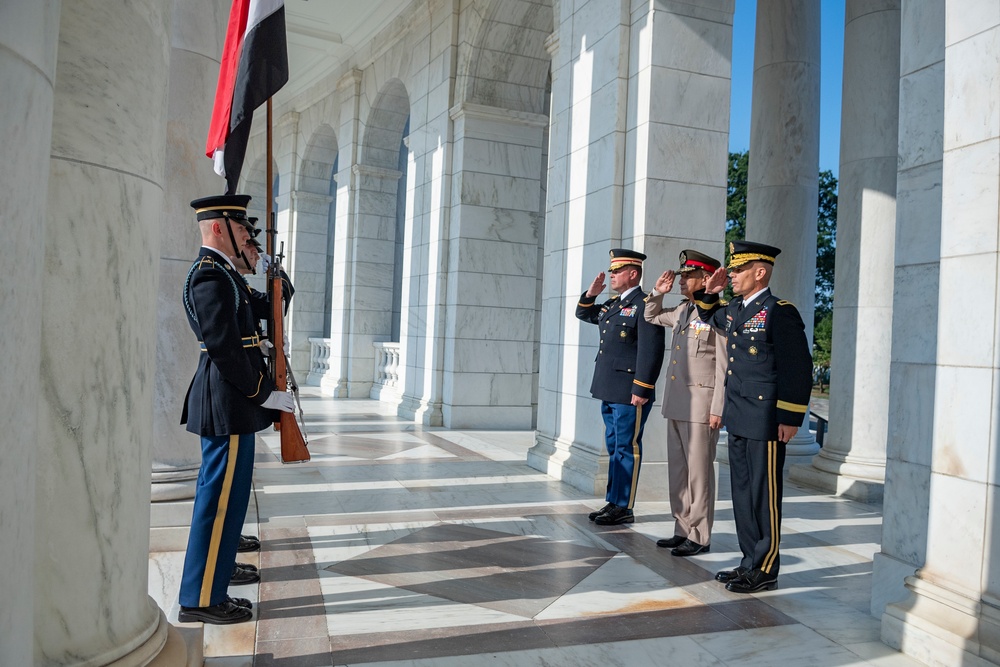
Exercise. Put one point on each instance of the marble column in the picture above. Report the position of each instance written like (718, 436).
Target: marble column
(29, 32)
(334, 381)
(852, 460)
(98, 340)
(676, 157)
(912, 377)
(952, 613)
(590, 73)
(198, 28)
(782, 184)
(492, 266)
(309, 229)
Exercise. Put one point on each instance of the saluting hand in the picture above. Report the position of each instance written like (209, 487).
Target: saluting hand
(717, 281)
(597, 286)
(665, 282)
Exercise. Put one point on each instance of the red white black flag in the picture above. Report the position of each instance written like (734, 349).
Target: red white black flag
(254, 67)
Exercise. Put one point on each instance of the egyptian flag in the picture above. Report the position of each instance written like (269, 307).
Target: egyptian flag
(254, 67)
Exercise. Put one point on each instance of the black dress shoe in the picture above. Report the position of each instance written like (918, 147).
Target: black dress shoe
(243, 575)
(615, 516)
(593, 515)
(223, 613)
(671, 542)
(248, 543)
(753, 581)
(730, 575)
(241, 602)
(247, 566)
(689, 548)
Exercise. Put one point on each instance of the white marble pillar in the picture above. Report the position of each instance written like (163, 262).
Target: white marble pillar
(490, 310)
(29, 32)
(676, 157)
(98, 340)
(198, 28)
(912, 392)
(590, 73)
(852, 460)
(783, 187)
(952, 613)
(309, 229)
(334, 381)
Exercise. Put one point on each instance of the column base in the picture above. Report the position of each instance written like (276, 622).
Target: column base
(174, 484)
(155, 644)
(838, 484)
(941, 627)
(889, 581)
(183, 647)
(420, 411)
(331, 384)
(569, 462)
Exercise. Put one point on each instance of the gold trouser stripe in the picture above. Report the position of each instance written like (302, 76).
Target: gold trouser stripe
(636, 456)
(772, 504)
(792, 407)
(208, 577)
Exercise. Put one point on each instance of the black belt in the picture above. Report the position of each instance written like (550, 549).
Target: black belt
(248, 341)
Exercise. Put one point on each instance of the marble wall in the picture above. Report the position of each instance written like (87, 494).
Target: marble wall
(29, 32)
(98, 315)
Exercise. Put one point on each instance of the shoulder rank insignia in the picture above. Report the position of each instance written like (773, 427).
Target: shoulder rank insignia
(783, 302)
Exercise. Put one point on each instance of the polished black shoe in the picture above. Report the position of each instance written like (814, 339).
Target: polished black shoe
(689, 548)
(242, 574)
(615, 516)
(223, 613)
(593, 515)
(730, 575)
(248, 543)
(753, 581)
(241, 602)
(671, 542)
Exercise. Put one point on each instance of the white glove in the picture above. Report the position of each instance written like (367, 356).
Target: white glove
(280, 400)
(265, 346)
(288, 349)
(265, 260)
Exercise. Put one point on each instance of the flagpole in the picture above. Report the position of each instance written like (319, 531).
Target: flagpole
(269, 197)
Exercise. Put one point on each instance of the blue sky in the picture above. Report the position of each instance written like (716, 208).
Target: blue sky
(831, 67)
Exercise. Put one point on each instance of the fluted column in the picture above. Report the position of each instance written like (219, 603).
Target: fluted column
(952, 613)
(29, 30)
(198, 28)
(783, 187)
(98, 340)
(852, 460)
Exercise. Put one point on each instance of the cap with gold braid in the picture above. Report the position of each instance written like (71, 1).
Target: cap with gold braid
(692, 260)
(620, 257)
(232, 207)
(741, 252)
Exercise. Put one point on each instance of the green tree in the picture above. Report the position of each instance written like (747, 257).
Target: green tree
(826, 243)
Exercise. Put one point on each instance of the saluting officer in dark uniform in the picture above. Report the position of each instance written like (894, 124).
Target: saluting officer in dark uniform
(767, 395)
(625, 373)
(230, 399)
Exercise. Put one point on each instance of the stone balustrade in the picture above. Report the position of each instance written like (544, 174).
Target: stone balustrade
(385, 383)
(319, 360)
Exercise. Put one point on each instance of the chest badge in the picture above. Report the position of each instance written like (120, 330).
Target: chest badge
(753, 350)
(623, 334)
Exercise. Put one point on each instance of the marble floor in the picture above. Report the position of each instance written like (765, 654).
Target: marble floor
(402, 545)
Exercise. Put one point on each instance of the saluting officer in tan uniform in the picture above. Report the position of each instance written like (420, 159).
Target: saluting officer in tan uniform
(693, 397)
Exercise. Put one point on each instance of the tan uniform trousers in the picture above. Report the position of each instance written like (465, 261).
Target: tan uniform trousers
(691, 465)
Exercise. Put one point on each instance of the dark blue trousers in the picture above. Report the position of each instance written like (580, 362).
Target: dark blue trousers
(220, 506)
(755, 474)
(623, 424)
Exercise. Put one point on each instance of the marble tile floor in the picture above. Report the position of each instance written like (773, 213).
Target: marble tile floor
(403, 545)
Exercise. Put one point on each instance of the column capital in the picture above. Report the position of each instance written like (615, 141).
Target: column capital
(483, 112)
(375, 172)
(351, 78)
(305, 195)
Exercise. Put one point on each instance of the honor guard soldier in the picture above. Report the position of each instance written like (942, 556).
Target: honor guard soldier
(230, 398)
(627, 365)
(767, 395)
(693, 394)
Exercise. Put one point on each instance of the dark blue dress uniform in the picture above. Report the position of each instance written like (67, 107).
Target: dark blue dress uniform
(628, 362)
(768, 383)
(223, 406)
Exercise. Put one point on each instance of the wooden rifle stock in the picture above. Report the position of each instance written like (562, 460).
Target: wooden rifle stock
(293, 443)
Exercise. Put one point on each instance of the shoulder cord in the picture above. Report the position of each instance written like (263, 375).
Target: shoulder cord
(187, 287)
